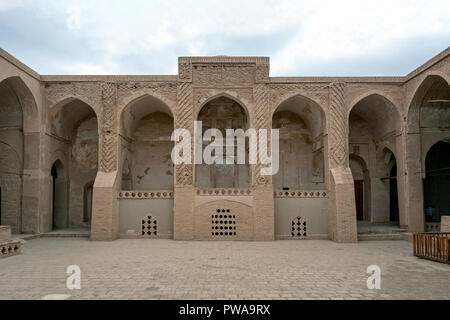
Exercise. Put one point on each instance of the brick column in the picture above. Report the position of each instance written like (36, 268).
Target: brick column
(414, 183)
(184, 190)
(341, 202)
(105, 215)
(264, 216)
(31, 184)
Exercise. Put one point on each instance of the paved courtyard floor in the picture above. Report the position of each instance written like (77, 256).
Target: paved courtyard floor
(165, 269)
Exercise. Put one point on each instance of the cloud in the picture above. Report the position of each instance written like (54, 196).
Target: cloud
(301, 37)
(9, 4)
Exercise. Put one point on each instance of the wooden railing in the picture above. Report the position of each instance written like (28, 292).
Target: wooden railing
(432, 246)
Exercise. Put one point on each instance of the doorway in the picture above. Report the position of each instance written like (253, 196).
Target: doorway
(59, 196)
(393, 195)
(359, 199)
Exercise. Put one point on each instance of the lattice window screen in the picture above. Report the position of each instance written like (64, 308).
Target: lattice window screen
(149, 227)
(223, 224)
(299, 228)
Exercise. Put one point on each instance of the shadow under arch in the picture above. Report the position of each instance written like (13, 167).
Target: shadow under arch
(222, 95)
(27, 102)
(375, 107)
(302, 153)
(436, 183)
(73, 131)
(146, 126)
(139, 107)
(289, 103)
(361, 180)
(59, 194)
(224, 112)
(434, 86)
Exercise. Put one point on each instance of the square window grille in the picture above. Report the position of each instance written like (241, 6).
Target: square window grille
(223, 224)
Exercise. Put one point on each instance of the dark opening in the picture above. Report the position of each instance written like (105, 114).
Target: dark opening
(436, 184)
(88, 196)
(54, 174)
(359, 199)
(393, 195)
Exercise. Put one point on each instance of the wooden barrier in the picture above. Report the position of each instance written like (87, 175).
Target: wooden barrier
(432, 246)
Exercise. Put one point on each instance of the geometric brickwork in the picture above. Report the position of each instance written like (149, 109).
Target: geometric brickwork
(223, 224)
(299, 228)
(149, 227)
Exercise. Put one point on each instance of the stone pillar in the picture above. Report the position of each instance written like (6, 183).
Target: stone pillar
(401, 187)
(184, 190)
(414, 184)
(5, 233)
(264, 214)
(31, 184)
(341, 202)
(105, 215)
(445, 223)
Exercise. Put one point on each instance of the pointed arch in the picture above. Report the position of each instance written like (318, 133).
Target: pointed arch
(224, 95)
(27, 102)
(376, 107)
(434, 86)
(300, 105)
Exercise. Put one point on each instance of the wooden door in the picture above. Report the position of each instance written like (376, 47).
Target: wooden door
(359, 198)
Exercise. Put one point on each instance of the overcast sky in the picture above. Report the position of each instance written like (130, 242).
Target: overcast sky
(302, 38)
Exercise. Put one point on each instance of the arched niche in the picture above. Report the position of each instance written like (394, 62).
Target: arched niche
(301, 147)
(58, 196)
(73, 132)
(428, 121)
(18, 115)
(437, 183)
(146, 128)
(430, 105)
(374, 122)
(222, 113)
(361, 180)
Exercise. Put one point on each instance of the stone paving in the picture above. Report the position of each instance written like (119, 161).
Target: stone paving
(166, 269)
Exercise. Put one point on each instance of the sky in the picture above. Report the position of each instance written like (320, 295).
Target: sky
(302, 38)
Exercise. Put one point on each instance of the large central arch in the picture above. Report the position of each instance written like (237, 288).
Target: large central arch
(223, 112)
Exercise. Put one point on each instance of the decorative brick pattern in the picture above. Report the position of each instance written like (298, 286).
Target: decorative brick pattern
(338, 125)
(300, 194)
(140, 194)
(185, 120)
(108, 160)
(261, 121)
(224, 192)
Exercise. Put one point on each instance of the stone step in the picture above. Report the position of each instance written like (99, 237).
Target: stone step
(382, 231)
(384, 236)
(65, 235)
